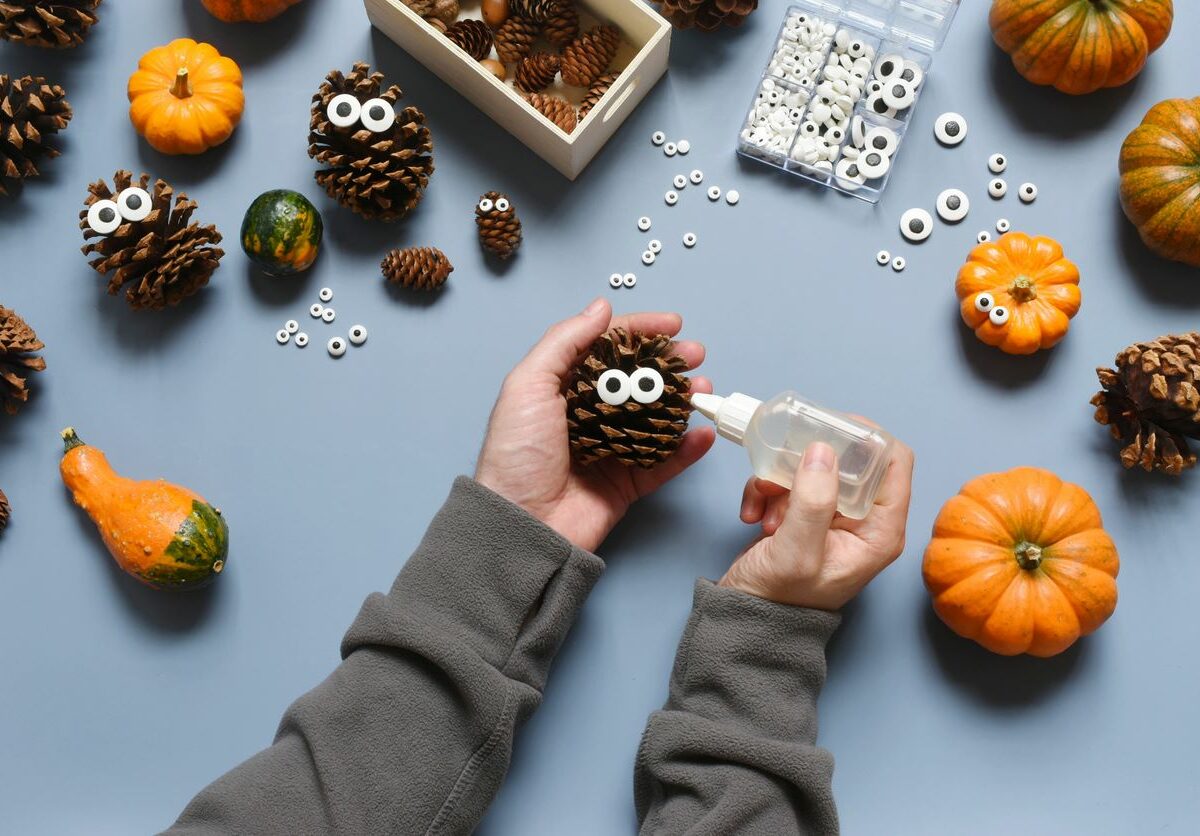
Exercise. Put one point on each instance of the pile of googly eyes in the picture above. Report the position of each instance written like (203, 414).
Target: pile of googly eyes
(336, 346)
(670, 148)
(868, 156)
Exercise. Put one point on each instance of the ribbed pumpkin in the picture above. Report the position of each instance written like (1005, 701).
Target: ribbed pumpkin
(1160, 179)
(254, 11)
(1020, 563)
(1080, 46)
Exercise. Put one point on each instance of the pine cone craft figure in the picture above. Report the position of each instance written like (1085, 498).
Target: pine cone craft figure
(419, 268)
(514, 39)
(56, 24)
(143, 244)
(587, 57)
(536, 72)
(628, 400)
(474, 37)
(562, 26)
(499, 226)
(595, 93)
(555, 108)
(377, 160)
(18, 342)
(31, 111)
(1151, 402)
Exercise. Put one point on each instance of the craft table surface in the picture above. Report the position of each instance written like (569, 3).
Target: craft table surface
(118, 703)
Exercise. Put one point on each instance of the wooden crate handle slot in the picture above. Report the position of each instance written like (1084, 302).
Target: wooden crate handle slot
(615, 106)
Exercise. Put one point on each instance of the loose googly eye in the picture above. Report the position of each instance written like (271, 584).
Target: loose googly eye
(655, 246)
(670, 148)
(614, 280)
(336, 346)
(998, 188)
(134, 204)
(315, 310)
(714, 192)
(629, 280)
(952, 206)
(916, 225)
(1003, 225)
(358, 334)
(644, 223)
(344, 110)
(486, 205)
(689, 239)
(697, 176)
(502, 204)
(883, 258)
(898, 263)
(950, 129)
(291, 326)
(997, 163)
(679, 181)
(378, 116)
(614, 387)
(328, 315)
(325, 294)
(646, 385)
(282, 336)
(658, 138)
(999, 315)
(104, 217)
(732, 197)
(648, 257)
(683, 146)
(671, 198)
(984, 302)
(301, 340)
(983, 237)
(1028, 193)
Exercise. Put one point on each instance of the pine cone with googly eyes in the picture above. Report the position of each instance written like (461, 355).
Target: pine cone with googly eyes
(376, 158)
(499, 226)
(628, 400)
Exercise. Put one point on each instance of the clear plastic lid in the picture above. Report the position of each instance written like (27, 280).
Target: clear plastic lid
(922, 23)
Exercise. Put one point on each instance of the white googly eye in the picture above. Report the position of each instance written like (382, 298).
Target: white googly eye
(134, 204)
(881, 139)
(912, 73)
(614, 280)
(486, 205)
(683, 146)
(875, 87)
(671, 198)
(997, 163)
(328, 315)
(856, 49)
(336, 346)
(502, 204)
(997, 188)
(658, 138)
(1003, 225)
(282, 336)
(669, 149)
(953, 206)
(689, 239)
(646, 385)
(899, 95)
(732, 197)
(873, 165)
(344, 110)
(679, 181)
(916, 225)
(1028, 193)
(999, 315)
(984, 302)
(614, 387)
(697, 176)
(315, 310)
(301, 340)
(714, 192)
(104, 217)
(876, 104)
(629, 280)
(358, 334)
(644, 223)
(291, 326)
(888, 66)
(325, 294)
(378, 116)
(983, 237)
(655, 246)
(898, 263)
(648, 258)
(883, 258)
(950, 129)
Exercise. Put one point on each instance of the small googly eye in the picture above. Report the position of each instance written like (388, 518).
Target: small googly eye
(983, 237)
(999, 315)
(325, 294)
(648, 257)
(883, 258)
(671, 198)
(344, 110)
(984, 302)
(378, 116)
(689, 239)
(679, 181)
(697, 176)
(898, 263)
(953, 206)
(315, 310)
(502, 204)
(658, 138)
(291, 326)
(358, 334)
(614, 280)
(614, 387)
(282, 336)
(328, 315)
(629, 280)
(1003, 225)
(301, 340)
(997, 188)
(714, 192)
(1028, 193)
(655, 246)
(646, 385)
(644, 223)
(486, 205)
(134, 204)
(104, 217)
(997, 163)
(336, 346)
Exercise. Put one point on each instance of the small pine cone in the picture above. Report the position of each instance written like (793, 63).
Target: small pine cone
(5, 512)
(514, 39)
(381, 175)
(419, 268)
(587, 57)
(562, 26)
(536, 72)
(1151, 402)
(163, 258)
(472, 37)
(707, 15)
(58, 24)
(555, 108)
(18, 342)
(444, 10)
(499, 226)
(595, 93)
(631, 432)
(538, 11)
(31, 110)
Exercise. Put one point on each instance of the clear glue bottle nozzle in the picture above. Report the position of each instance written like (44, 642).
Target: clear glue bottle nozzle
(731, 414)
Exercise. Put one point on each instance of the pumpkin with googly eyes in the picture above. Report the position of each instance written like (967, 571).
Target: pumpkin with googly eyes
(498, 224)
(1019, 293)
(628, 400)
(376, 156)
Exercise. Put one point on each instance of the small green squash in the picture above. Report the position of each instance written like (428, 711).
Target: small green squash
(281, 232)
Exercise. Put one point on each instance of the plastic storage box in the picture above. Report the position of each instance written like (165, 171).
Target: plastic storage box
(877, 54)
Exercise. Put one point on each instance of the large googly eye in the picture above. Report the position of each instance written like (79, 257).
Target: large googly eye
(344, 110)
(486, 205)
(104, 217)
(378, 116)
(647, 385)
(953, 206)
(950, 129)
(502, 204)
(999, 316)
(134, 204)
(614, 387)
(916, 225)
(358, 334)
(336, 346)
(984, 302)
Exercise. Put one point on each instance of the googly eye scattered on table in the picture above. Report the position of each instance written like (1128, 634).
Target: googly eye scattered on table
(714, 192)
(644, 223)
(301, 340)
(344, 110)
(669, 149)
(950, 129)
(648, 258)
(732, 197)
(983, 236)
(679, 181)
(997, 163)
(291, 326)
(282, 336)
(998, 188)
(1003, 225)
(683, 146)
(655, 246)
(671, 198)
(104, 217)
(899, 263)
(646, 385)
(916, 225)
(315, 310)
(999, 315)
(629, 280)
(325, 294)
(358, 334)
(336, 346)
(883, 258)
(614, 280)
(328, 315)
(697, 176)
(689, 239)
(134, 204)
(658, 138)
(953, 206)
(378, 116)
(1027, 192)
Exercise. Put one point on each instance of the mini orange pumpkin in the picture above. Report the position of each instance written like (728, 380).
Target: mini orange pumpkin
(1020, 563)
(1080, 46)
(185, 97)
(1019, 293)
(254, 11)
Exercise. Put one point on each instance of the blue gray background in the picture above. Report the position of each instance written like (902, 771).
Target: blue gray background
(117, 703)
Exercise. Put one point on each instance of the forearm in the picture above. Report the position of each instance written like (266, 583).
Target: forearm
(734, 748)
(413, 732)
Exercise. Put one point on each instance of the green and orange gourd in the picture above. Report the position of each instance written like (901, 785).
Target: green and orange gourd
(253, 11)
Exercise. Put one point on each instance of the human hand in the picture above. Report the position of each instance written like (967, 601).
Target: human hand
(808, 554)
(526, 457)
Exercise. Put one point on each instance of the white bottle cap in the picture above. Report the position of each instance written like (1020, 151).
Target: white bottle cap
(732, 414)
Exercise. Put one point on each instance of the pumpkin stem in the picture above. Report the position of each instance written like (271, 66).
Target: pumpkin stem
(70, 440)
(182, 88)
(1023, 289)
(1029, 555)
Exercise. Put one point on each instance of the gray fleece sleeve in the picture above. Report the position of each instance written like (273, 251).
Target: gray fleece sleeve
(734, 748)
(413, 732)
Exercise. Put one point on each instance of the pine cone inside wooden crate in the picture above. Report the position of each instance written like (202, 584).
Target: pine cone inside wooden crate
(536, 10)
(595, 93)
(18, 360)
(707, 15)
(555, 108)
(474, 37)
(587, 57)
(498, 224)
(514, 39)
(55, 24)
(419, 268)
(31, 111)
(536, 72)
(562, 26)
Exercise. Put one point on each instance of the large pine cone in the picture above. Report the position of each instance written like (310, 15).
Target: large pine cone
(514, 39)
(59, 24)
(632, 432)
(1151, 402)
(474, 37)
(562, 26)
(420, 268)
(18, 342)
(555, 108)
(595, 93)
(707, 15)
(499, 226)
(378, 174)
(587, 57)
(31, 110)
(535, 10)
(536, 72)
(5, 512)
(163, 258)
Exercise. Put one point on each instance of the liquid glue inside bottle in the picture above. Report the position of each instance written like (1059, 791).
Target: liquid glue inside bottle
(777, 432)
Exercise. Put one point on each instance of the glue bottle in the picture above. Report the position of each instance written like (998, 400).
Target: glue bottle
(777, 432)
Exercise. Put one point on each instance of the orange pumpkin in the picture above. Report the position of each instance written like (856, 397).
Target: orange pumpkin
(1160, 179)
(1080, 46)
(1019, 293)
(185, 97)
(1020, 563)
(256, 11)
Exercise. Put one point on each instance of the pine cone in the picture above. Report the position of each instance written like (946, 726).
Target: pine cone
(444, 10)
(536, 72)
(632, 432)
(562, 26)
(595, 93)
(31, 110)
(558, 110)
(1151, 401)
(707, 15)
(514, 39)
(420, 268)
(536, 10)
(379, 175)
(499, 226)
(164, 258)
(474, 37)
(5, 512)
(17, 360)
(60, 24)
(587, 57)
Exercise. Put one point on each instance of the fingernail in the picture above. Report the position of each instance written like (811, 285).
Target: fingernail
(594, 308)
(819, 457)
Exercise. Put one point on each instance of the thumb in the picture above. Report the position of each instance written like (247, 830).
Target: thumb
(559, 348)
(813, 501)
